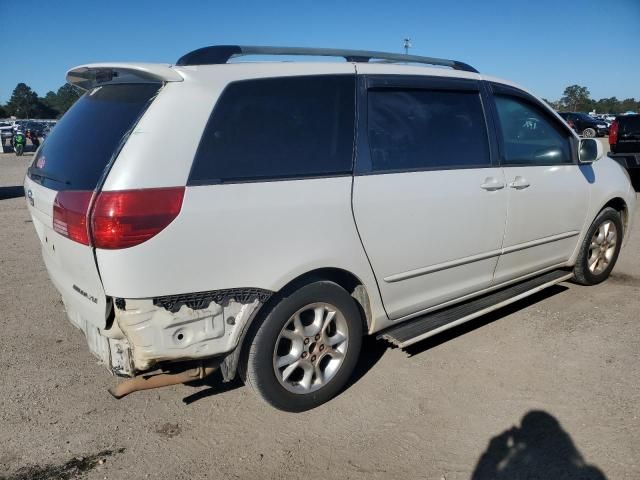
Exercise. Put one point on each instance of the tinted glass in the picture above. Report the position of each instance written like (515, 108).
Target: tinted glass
(77, 152)
(423, 129)
(278, 128)
(629, 124)
(530, 136)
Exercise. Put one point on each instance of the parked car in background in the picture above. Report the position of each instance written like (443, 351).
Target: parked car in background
(624, 143)
(6, 131)
(304, 205)
(586, 125)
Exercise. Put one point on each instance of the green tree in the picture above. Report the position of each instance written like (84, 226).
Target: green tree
(66, 97)
(629, 105)
(23, 102)
(51, 100)
(3, 112)
(576, 98)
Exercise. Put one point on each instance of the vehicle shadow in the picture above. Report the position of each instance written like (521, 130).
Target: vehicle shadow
(538, 449)
(11, 192)
(479, 322)
(373, 350)
(216, 387)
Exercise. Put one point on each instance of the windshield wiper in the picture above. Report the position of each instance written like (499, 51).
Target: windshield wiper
(34, 171)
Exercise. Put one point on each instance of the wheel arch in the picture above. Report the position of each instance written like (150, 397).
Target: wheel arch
(618, 204)
(346, 279)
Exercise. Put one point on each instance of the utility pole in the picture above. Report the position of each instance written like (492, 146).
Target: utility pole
(407, 45)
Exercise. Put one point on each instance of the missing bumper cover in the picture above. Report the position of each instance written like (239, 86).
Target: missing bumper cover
(200, 300)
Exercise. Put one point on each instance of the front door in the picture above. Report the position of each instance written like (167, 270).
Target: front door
(548, 191)
(429, 204)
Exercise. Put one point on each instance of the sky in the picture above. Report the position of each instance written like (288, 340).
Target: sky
(544, 45)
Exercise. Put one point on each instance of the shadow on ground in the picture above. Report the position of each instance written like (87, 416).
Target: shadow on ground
(373, 350)
(11, 192)
(538, 449)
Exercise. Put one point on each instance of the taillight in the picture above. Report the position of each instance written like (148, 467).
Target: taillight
(126, 218)
(70, 210)
(613, 133)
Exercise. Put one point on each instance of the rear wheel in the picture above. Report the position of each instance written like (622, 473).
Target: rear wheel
(589, 132)
(303, 350)
(600, 248)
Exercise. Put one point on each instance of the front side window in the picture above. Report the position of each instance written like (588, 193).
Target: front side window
(413, 129)
(284, 127)
(530, 137)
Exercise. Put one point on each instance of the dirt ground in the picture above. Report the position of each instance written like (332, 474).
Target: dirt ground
(546, 389)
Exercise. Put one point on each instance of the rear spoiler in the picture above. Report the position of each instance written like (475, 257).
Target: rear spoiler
(95, 74)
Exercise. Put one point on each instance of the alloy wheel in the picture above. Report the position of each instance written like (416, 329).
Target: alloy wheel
(602, 247)
(311, 348)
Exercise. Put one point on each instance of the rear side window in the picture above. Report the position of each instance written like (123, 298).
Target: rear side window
(77, 152)
(529, 135)
(424, 129)
(284, 127)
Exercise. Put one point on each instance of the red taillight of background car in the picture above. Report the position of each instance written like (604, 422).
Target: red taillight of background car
(122, 219)
(571, 124)
(70, 210)
(613, 133)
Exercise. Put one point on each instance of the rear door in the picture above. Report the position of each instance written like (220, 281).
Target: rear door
(548, 191)
(429, 203)
(66, 171)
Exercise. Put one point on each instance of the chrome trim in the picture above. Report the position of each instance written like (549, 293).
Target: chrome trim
(397, 277)
(441, 266)
(540, 241)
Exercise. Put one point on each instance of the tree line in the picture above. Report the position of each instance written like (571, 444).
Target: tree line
(25, 103)
(577, 98)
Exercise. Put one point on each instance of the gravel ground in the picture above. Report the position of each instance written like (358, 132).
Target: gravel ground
(546, 389)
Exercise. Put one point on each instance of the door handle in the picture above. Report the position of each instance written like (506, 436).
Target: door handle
(491, 184)
(519, 183)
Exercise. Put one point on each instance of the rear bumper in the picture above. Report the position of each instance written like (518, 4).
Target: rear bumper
(145, 333)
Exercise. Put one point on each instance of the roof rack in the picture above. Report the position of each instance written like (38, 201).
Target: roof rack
(220, 54)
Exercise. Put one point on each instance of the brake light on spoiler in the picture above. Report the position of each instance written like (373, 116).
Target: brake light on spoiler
(116, 219)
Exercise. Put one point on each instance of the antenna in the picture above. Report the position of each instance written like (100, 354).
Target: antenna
(407, 45)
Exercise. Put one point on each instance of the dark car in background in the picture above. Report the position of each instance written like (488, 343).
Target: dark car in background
(624, 143)
(586, 125)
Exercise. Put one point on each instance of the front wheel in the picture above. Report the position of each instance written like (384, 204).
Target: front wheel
(19, 150)
(304, 348)
(589, 132)
(600, 248)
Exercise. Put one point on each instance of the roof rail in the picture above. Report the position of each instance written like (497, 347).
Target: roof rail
(219, 54)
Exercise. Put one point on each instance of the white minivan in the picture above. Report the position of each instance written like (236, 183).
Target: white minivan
(261, 217)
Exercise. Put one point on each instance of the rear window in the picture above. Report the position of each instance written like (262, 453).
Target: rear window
(629, 124)
(77, 152)
(278, 128)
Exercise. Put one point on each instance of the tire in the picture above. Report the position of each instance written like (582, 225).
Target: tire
(289, 359)
(601, 246)
(589, 132)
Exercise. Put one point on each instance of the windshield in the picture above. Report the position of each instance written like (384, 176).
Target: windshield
(78, 151)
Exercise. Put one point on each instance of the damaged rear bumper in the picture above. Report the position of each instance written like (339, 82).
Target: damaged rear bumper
(147, 332)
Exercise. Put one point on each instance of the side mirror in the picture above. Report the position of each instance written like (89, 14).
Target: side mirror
(590, 150)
